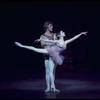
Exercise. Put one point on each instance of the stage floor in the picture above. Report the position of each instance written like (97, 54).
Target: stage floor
(29, 85)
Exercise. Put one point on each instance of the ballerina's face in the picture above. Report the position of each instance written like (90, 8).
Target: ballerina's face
(62, 34)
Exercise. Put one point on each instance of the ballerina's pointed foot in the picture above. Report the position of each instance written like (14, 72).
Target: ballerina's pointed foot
(18, 44)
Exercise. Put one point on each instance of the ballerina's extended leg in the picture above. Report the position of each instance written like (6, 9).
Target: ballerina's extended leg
(32, 48)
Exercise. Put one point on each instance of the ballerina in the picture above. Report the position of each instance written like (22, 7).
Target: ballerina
(55, 50)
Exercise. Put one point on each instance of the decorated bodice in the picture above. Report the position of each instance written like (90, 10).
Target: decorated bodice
(46, 37)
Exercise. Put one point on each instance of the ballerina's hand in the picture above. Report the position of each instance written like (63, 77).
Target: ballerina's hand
(18, 44)
(37, 40)
(84, 33)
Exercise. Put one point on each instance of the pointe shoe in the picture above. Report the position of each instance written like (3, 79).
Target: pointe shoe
(54, 89)
(47, 90)
(18, 44)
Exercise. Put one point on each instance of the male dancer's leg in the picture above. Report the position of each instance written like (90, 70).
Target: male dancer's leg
(47, 75)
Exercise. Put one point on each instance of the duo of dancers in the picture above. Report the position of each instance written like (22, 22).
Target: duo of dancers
(53, 45)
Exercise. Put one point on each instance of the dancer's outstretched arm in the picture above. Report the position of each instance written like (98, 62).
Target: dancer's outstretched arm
(75, 37)
(32, 48)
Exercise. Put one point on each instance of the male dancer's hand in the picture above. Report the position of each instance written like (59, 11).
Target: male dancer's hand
(37, 40)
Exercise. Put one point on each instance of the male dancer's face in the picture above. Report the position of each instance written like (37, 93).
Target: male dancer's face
(50, 27)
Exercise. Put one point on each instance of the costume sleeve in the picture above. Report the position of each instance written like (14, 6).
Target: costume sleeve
(43, 44)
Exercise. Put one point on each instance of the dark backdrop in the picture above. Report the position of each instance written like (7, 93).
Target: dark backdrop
(22, 21)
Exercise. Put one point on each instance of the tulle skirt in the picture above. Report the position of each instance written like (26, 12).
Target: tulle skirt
(54, 52)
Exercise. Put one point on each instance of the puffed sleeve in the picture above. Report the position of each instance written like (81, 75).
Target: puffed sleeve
(43, 38)
(43, 44)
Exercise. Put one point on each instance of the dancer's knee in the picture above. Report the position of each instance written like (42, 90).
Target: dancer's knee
(47, 71)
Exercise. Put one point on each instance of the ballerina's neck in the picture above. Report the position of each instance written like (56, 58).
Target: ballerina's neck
(61, 38)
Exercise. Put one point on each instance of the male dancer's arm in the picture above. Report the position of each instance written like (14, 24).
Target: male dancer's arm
(45, 41)
(51, 41)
